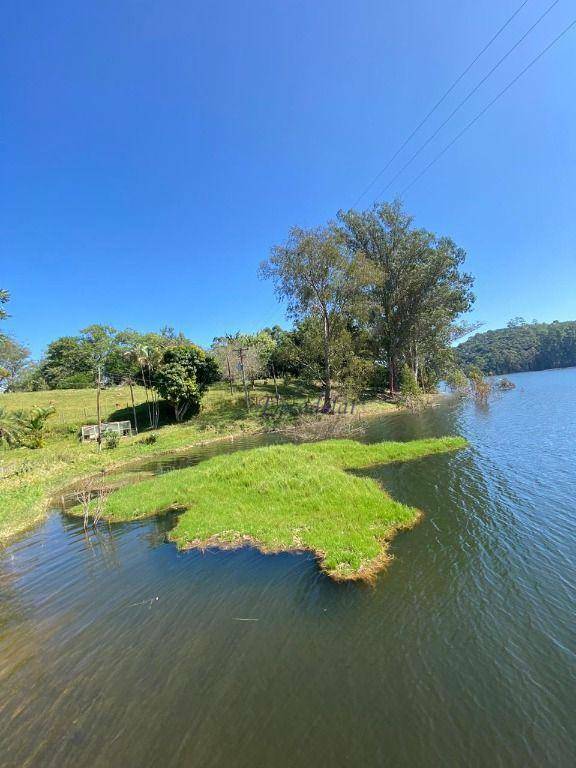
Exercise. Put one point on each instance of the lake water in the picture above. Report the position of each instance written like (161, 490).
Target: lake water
(118, 650)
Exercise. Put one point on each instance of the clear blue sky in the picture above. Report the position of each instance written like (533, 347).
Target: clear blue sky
(151, 151)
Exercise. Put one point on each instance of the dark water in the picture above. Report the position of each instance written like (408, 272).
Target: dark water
(118, 650)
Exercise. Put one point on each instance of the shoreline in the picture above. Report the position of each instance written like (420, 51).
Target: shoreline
(367, 574)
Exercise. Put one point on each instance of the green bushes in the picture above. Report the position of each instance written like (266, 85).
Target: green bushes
(149, 439)
(408, 383)
(111, 439)
(183, 376)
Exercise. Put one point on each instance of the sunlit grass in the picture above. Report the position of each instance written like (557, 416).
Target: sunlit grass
(28, 478)
(287, 497)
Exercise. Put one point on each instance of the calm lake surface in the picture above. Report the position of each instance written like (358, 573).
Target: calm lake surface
(118, 650)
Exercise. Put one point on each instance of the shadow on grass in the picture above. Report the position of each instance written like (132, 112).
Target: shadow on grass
(143, 415)
(219, 407)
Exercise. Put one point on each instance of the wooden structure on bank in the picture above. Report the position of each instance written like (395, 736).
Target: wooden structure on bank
(121, 428)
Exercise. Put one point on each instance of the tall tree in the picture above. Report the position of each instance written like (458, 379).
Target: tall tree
(414, 285)
(313, 274)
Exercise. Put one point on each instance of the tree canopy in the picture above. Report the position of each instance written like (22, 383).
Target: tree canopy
(414, 288)
(182, 377)
(4, 298)
(371, 287)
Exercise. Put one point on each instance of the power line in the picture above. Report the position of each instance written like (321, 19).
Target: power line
(490, 104)
(468, 97)
(441, 100)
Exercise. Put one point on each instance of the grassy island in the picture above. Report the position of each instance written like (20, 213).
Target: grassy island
(286, 497)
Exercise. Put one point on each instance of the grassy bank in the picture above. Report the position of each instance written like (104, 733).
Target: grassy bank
(287, 497)
(28, 478)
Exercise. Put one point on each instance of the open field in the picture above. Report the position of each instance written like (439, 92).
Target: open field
(74, 407)
(28, 478)
(286, 497)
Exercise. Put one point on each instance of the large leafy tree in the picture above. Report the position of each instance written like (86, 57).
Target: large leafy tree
(14, 357)
(183, 376)
(302, 352)
(414, 287)
(67, 364)
(313, 274)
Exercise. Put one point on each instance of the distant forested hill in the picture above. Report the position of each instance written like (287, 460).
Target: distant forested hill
(522, 347)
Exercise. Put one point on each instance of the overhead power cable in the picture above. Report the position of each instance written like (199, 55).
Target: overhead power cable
(490, 104)
(441, 100)
(468, 96)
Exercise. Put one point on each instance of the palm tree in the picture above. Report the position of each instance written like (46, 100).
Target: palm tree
(24, 428)
(33, 424)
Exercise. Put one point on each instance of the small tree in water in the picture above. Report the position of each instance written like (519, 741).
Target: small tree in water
(457, 382)
(479, 387)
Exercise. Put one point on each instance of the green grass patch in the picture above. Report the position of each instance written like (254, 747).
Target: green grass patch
(29, 478)
(286, 497)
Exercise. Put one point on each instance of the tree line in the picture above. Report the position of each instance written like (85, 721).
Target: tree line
(376, 303)
(521, 346)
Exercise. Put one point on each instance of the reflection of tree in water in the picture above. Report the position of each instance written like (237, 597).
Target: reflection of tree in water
(100, 543)
(158, 528)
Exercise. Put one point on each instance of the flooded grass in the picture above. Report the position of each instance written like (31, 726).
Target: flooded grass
(287, 497)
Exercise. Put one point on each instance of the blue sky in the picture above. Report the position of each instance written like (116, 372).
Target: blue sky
(151, 151)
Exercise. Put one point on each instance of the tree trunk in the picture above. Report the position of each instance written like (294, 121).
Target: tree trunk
(181, 409)
(133, 405)
(229, 374)
(275, 383)
(146, 392)
(391, 374)
(98, 411)
(327, 374)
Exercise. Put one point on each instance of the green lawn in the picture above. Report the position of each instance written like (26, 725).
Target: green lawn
(74, 407)
(287, 497)
(28, 478)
